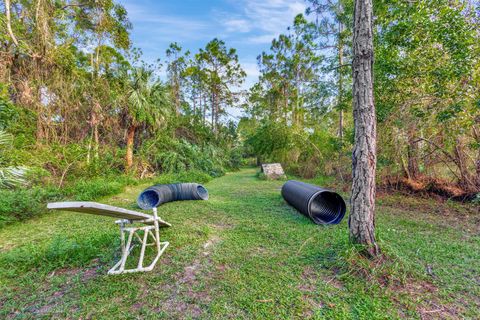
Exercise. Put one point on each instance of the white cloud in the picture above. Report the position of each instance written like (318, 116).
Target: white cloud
(166, 27)
(265, 38)
(272, 16)
(251, 68)
(265, 19)
(237, 25)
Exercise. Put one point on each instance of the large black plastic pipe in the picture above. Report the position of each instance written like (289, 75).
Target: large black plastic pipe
(321, 205)
(158, 194)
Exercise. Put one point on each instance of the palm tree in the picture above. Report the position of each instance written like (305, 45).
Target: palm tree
(9, 176)
(147, 103)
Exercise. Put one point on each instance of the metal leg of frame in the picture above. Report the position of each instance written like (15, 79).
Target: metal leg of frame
(148, 232)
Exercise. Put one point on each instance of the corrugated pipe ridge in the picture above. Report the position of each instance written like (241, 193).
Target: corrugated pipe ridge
(322, 206)
(158, 194)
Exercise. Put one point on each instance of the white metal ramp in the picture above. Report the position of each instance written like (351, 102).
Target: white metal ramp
(151, 232)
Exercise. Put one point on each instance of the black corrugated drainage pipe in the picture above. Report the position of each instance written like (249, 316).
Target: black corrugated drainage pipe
(321, 205)
(156, 195)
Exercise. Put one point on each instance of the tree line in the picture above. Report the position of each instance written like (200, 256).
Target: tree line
(74, 88)
(426, 93)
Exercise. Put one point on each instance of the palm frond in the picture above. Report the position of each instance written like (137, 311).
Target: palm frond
(11, 177)
(148, 99)
(5, 139)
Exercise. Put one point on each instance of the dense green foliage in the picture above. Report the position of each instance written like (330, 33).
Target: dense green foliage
(99, 111)
(26, 203)
(81, 114)
(427, 68)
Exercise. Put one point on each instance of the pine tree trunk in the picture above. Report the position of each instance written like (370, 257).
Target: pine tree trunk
(130, 141)
(340, 79)
(362, 216)
(216, 113)
(204, 110)
(195, 105)
(213, 111)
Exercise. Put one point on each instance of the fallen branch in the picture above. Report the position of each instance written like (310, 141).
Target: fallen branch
(266, 300)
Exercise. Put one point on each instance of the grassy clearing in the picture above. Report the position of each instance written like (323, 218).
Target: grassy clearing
(246, 254)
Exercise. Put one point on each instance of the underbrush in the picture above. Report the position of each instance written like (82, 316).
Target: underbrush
(386, 270)
(22, 204)
(176, 156)
(429, 187)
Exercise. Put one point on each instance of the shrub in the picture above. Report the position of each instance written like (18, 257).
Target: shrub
(22, 204)
(178, 156)
(194, 176)
(86, 190)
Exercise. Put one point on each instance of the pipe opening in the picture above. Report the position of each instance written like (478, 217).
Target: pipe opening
(202, 192)
(326, 208)
(148, 199)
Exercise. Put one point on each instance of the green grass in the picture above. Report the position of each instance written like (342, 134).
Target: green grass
(244, 253)
(14, 205)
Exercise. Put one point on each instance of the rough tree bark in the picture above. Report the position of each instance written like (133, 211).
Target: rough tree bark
(362, 216)
(130, 140)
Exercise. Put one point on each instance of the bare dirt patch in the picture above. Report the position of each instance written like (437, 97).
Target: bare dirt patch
(310, 284)
(56, 298)
(186, 297)
(424, 295)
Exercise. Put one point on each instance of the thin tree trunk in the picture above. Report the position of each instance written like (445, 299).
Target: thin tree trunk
(362, 216)
(466, 179)
(9, 22)
(214, 109)
(195, 104)
(89, 149)
(204, 110)
(130, 141)
(340, 79)
(476, 134)
(97, 142)
(216, 113)
(285, 104)
(412, 153)
(177, 94)
(40, 132)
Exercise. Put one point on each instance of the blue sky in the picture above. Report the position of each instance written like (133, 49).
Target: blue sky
(247, 25)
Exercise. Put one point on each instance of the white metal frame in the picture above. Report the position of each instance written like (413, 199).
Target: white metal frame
(152, 232)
